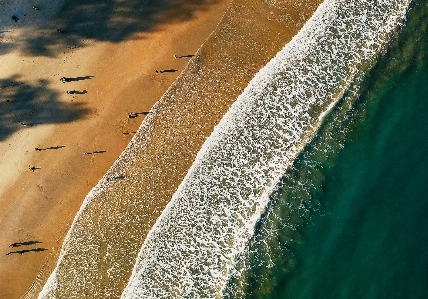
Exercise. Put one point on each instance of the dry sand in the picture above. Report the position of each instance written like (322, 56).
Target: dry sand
(121, 47)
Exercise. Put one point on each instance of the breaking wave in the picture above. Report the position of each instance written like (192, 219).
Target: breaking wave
(192, 249)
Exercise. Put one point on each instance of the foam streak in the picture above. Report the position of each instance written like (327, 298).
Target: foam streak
(191, 250)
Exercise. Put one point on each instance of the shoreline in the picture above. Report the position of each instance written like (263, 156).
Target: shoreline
(40, 205)
(153, 170)
(181, 125)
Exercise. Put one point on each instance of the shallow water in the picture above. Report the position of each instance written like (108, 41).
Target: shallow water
(199, 241)
(350, 220)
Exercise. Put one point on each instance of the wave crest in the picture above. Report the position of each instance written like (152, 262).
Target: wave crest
(191, 250)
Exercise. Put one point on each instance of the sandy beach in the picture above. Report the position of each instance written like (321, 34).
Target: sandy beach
(112, 57)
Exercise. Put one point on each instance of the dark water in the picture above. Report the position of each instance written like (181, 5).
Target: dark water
(351, 220)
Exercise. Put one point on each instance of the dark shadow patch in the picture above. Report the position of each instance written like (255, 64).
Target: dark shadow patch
(24, 105)
(75, 22)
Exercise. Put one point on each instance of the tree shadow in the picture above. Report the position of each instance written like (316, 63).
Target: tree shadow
(24, 105)
(71, 23)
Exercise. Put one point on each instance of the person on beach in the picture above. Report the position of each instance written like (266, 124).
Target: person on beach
(13, 245)
(38, 149)
(32, 168)
(132, 115)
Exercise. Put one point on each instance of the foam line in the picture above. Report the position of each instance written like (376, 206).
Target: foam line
(190, 252)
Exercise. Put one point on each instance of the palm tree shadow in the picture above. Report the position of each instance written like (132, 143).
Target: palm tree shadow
(24, 105)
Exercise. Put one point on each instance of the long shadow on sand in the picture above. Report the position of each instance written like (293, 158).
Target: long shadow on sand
(21, 252)
(70, 23)
(26, 243)
(24, 105)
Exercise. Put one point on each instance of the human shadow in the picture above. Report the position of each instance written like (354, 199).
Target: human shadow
(49, 148)
(143, 112)
(72, 23)
(65, 79)
(55, 147)
(184, 56)
(115, 178)
(33, 168)
(100, 152)
(25, 105)
(166, 71)
(21, 252)
(95, 152)
(26, 243)
(17, 244)
(134, 115)
(77, 92)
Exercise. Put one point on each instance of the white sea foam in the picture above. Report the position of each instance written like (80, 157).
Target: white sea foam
(191, 250)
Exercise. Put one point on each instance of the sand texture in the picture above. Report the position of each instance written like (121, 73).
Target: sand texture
(112, 51)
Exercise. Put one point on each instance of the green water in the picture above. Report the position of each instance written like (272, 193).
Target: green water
(351, 220)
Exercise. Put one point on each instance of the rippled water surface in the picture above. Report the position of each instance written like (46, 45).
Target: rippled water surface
(199, 244)
(350, 220)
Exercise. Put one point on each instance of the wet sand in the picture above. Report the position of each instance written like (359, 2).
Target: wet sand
(122, 58)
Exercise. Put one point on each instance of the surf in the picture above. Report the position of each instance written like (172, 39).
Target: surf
(192, 249)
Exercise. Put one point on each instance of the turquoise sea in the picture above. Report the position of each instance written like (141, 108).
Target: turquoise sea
(351, 217)
(347, 146)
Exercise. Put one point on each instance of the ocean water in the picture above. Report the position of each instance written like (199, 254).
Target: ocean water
(228, 230)
(350, 219)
